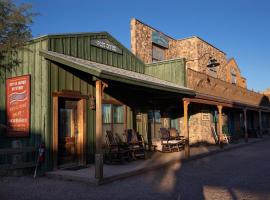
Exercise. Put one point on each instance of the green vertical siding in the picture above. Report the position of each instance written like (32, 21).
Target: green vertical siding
(171, 70)
(79, 46)
(65, 78)
(36, 66)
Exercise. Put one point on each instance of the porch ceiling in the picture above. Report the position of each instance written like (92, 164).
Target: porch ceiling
(116, 74)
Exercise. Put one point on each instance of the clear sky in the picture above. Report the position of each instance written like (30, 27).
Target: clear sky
(241, 28)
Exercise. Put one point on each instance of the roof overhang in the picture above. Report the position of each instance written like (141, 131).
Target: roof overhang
(116, 74)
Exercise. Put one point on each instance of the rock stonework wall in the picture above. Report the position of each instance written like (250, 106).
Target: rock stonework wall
(141, 40)
(240, 81)
(195, 50)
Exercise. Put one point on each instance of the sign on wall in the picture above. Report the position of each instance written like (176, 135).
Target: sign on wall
(106, 44)
(18, 106)
(205, 116)
(160, 39)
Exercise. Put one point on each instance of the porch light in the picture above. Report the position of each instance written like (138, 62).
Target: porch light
(92, 102)
(212, 63)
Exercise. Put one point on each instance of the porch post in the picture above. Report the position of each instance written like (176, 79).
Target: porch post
(99, 155)
(245, 124)
(186, 129)
(220, 123)
(260, 123)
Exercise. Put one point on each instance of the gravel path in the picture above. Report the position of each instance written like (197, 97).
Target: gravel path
(239, 174)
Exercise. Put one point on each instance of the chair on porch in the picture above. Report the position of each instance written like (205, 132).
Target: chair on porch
(116, 152)
(136, 143)
(170, 144)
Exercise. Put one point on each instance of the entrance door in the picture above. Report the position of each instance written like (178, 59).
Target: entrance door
(68, 131)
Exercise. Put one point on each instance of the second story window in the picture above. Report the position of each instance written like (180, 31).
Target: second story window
(158, 53)
(233, 76)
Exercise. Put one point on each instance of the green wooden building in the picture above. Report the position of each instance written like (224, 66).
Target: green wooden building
(69, 75)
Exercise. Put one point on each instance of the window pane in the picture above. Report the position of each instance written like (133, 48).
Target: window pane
(107, 113)
(118, 114)
(157, 116)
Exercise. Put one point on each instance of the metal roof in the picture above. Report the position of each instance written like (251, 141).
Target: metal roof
(114, 73)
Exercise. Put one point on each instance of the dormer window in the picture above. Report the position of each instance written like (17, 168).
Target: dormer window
(233, 76)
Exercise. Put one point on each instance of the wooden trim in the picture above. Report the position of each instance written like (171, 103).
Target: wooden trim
(220, 124)
(186, 129)
(98, 116)
(70, 94)
(209, 102)
(81, 144)
(112, 101)
(81, 109)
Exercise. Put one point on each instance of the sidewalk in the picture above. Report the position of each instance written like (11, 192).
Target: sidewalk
(154, 161)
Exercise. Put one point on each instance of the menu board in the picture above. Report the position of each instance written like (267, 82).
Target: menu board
(18, 106)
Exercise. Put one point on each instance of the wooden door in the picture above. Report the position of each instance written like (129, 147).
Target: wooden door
(67, 131)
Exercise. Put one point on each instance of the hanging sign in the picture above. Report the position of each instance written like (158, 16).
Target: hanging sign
(106, 44)
(18, 106)
(160, 39)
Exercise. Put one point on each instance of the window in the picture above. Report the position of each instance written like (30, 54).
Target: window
(233, 76)
(157, 53)
(154, 115)
(112, 113)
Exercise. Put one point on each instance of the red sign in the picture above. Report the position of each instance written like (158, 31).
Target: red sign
(18, 106)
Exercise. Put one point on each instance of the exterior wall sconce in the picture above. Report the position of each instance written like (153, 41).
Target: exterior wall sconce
(92, 102)
(212, 63)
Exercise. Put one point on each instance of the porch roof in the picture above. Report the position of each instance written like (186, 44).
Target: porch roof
(117, 74)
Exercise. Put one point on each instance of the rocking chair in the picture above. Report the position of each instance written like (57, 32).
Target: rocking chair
(116, 152)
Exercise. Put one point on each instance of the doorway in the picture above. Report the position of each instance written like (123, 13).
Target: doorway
(69, 130)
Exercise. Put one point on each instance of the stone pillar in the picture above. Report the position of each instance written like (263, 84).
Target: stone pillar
(245, 124)
(260, 123)
(186, 129)
(99, 155)
(220, 123)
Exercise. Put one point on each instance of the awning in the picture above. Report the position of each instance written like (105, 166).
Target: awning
(117, 74)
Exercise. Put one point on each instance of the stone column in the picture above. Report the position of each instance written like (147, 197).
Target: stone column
(98, 155)
(186, 129)
(245, 124)
(220, 123)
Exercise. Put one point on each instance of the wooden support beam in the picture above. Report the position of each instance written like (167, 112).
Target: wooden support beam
(245, 124)
(260, 123)
(220, 123)
(99, 156)
(186, 129)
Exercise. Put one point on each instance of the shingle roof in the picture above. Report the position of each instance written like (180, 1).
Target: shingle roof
(110, 72)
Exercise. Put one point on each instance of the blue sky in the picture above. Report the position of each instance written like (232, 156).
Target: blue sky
(241, 28)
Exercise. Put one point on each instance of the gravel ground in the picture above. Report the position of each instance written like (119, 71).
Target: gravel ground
(239, 174)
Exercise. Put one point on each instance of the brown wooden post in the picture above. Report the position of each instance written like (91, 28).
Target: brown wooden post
(245, 124)
(260, 123)
(220, 123)
(186, 129)
(98, 155)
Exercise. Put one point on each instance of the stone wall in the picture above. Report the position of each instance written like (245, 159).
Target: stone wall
(240, 81)
(195, 50)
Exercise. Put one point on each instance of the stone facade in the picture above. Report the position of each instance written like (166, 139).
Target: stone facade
(195, 50)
